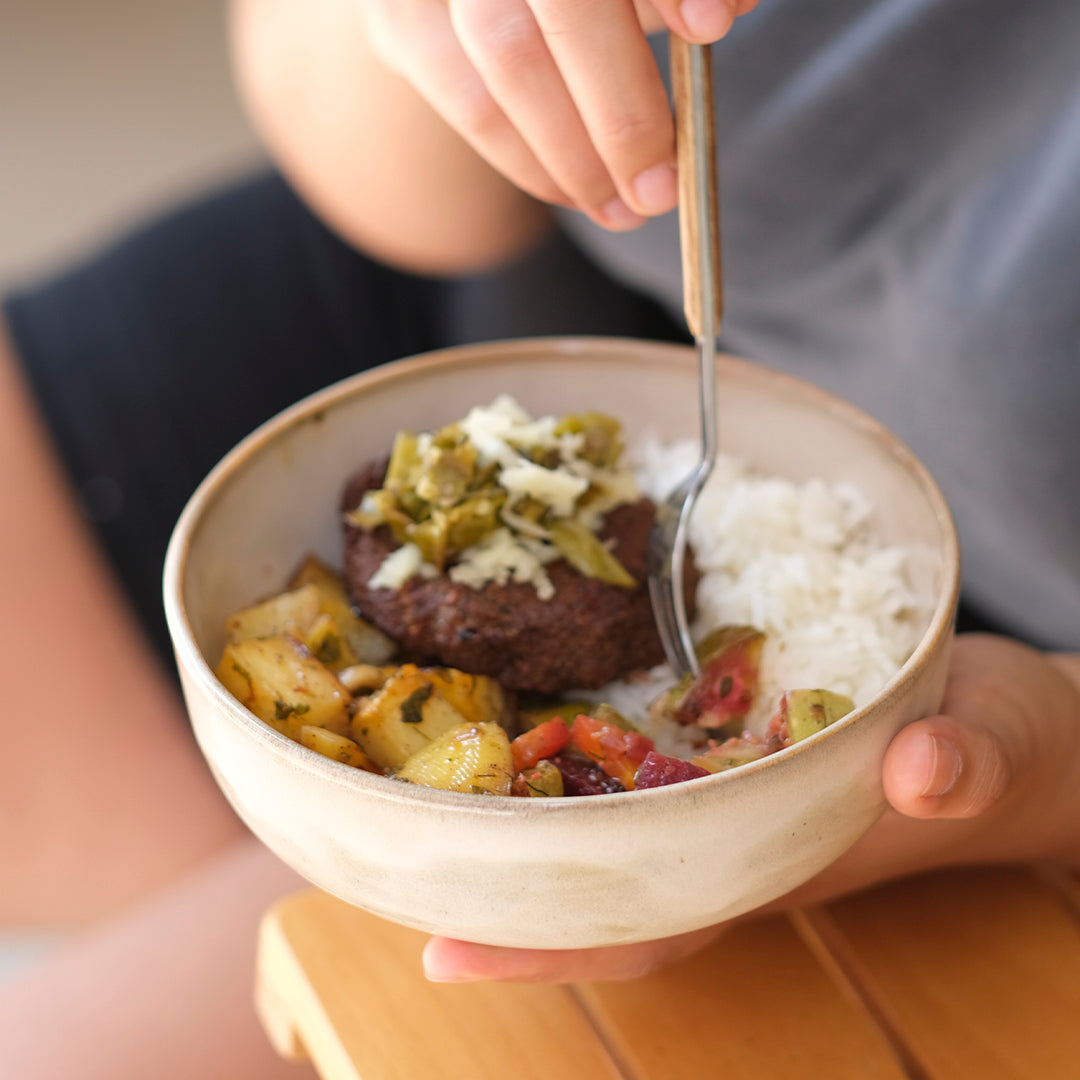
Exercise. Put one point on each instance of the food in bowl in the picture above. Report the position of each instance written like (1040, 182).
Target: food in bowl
(509, 552)
(570, 872)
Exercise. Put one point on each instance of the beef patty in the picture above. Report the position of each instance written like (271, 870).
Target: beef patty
(589, 633)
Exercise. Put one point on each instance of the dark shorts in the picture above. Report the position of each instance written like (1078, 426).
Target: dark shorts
(155, 358)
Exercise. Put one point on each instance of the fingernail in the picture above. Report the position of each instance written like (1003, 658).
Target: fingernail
(707, 19)
(434, 971)
(448, 977)
(617, 215)
(657, 189)
(943, 767)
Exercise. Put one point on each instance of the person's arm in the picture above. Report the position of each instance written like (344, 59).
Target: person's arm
(364, 150)
(103, 793)
(994, 778)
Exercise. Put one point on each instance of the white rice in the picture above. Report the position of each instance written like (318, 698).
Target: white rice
(797, 561)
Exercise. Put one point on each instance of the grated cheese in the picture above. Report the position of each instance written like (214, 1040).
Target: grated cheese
(504, 434)
(558, 488)
(501, 558)
(399, 566)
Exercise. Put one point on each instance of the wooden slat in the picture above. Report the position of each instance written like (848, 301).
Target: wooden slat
(1065, 883)
(755, 1005)
(979, 971)
(348, 988)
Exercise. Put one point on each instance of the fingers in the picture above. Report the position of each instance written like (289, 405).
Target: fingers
(613, 80)
(562, 96)
(944, 767)
(447, 960)
(585, 93)
(699, 21)
(417, 39)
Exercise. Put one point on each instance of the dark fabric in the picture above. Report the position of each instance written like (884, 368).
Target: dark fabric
(971, 620)
(154, 359)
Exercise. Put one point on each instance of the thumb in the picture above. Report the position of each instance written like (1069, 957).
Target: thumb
(945, 767)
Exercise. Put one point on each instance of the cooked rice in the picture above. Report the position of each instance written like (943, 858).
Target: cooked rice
(798, 562)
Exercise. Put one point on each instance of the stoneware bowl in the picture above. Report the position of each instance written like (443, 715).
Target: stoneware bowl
(543, 873)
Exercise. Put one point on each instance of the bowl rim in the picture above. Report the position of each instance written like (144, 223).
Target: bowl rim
(643, 351)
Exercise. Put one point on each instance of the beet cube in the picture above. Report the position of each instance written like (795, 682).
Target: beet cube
(659, 770)
(583, 777)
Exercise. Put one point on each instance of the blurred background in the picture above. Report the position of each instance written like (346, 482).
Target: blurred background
(109, 109)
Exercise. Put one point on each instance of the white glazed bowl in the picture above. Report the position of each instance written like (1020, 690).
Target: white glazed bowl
(542, 873)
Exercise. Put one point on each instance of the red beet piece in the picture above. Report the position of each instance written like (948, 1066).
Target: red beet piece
(582, 777)
(659, 770)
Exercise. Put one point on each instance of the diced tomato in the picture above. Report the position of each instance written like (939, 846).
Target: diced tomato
(724, 691)
(778, 725)
(659, 770)
(617, 752)
(542, 741)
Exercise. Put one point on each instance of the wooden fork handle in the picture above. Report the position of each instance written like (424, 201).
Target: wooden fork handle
(697, 181)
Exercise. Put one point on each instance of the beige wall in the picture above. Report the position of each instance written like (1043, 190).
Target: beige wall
(109, 109)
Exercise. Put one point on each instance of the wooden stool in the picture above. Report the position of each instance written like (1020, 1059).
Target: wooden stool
(969, 975)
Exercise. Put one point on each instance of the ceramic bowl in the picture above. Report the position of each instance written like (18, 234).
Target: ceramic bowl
(543, 873)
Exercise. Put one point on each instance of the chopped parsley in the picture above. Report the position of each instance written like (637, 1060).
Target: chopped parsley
(283, 710)
(412, 707)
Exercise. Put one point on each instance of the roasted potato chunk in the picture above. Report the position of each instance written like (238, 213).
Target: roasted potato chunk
(329, 645)
(336, 746)
(368, 644)
(406, 714)
(478, 698)
(288, 613)
(279, 680)
(472, 758)
(365, 677)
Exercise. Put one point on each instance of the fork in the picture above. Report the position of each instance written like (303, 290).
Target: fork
(699, 232)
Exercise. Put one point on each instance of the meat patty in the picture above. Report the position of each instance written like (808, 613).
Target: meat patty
(589, 633)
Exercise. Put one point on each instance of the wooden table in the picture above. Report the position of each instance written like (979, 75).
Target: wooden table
(970, 975)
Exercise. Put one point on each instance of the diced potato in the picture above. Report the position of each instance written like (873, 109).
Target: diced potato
(478, 698)
(288, 613)
(370, 645)
(335, 746)
(405, 715)
(235, 678)
(469, 757)
(328, 645)
(279, 680)
(364, 677)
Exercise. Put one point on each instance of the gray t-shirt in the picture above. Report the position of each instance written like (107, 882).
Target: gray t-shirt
(901, 224)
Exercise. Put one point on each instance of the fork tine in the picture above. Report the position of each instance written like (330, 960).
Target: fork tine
(666, 564)
(664, 614)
